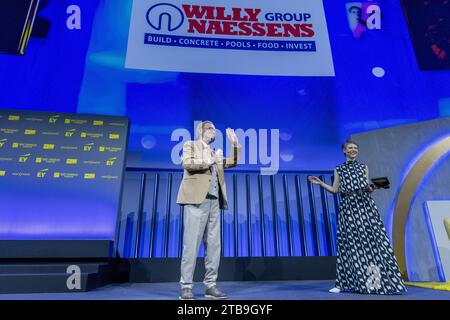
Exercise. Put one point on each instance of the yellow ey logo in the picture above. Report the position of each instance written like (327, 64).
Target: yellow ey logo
(83, 135)
(2, 142)
(42, 173)
(98, 122)
(38, 160)
(114, 136)
(13, 118)
(56, 175)
(24, 158)
(88, 147)
(15, 145)
(2, 173)
(89, 175)
(49, 146)
(110, 162)
(101, 149)
(30, 131)
(53, 119)
(70, 133)
(67, 121)
(71, 161)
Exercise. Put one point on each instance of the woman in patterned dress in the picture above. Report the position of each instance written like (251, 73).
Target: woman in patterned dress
(365, 261)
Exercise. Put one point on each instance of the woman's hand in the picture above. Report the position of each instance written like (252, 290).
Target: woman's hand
(314, 180)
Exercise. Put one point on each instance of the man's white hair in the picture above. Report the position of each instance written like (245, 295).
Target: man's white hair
(199, 129)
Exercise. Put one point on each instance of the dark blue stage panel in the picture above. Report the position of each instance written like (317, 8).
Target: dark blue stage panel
(60, 175)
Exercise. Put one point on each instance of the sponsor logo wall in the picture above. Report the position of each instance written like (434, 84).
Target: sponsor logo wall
(55, 165)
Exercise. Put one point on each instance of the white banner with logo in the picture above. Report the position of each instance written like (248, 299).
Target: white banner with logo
(254, 37)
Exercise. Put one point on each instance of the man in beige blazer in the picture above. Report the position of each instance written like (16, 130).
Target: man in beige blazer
(203, 194)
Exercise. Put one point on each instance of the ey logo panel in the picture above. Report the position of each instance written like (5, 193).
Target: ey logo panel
(111, 161)
(69, 133)
(42, 173)
(24, 158)
(53, 119)
(88, 147)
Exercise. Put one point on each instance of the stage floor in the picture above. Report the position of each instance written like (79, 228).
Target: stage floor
(248, 290)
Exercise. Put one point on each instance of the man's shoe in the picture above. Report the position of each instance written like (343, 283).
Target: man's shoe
(214, 293)
(186, 294)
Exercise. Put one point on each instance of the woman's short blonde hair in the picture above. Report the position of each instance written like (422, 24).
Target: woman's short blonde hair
(347, 142)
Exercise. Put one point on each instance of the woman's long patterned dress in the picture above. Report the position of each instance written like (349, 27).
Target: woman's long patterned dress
(366, 261)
